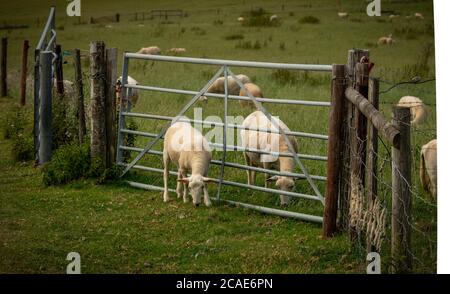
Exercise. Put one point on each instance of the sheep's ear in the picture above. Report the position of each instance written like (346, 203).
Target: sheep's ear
(272, 179)
(184, 180)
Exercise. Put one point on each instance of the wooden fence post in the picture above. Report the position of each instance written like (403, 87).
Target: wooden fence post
(80, 96)
(23, 75)
(59, 71)
(117, 17)
(339, 85)
(36, 103)
(110, 106)
(3, 68)
(372, 162)
(401, 194)
(45, 109)
(97, 71)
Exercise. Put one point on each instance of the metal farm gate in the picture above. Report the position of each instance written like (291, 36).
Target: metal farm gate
(225, 71)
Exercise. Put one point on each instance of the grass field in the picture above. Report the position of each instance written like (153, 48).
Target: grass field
(119, 229)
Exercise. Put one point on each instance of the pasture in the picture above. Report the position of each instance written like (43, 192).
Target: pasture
(118, 229)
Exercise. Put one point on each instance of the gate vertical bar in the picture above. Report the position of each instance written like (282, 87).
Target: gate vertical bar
(334, 149)
(45, 111)
(123, 100)
(225, 130)
(36, 105)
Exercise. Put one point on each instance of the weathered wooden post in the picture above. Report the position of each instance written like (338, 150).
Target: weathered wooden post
(339, 83)
(98, 132)
(372, 162)
(36, 106)
(117, 17)
(59, 71)
(80, 95)
(3, 68)
(23, 74)
(45, 109)
(401, 194)
(110, 106)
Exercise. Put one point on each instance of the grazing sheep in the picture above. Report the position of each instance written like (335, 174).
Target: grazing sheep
(177, 50)
(133, 94)
(417, 108)
(218, 86)
(240, 19)
(271, 142)
(274, 18)
(428, 167)
(254, 90)
(392, 16)
(152, 50)
(189, 150)
(386, 40)
(343, 14)
(418, 15)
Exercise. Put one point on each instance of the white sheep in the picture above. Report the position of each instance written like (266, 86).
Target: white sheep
(386, 40)
(240, 19)
(177, 50)
(417, 108)
(254, 89)
(392, 16)
(218, 86)
(152, 50)
(418, 15)
(190, 151)
(428, 167)
(274, 18)
(343, 14)
(269, 142)
(133, 94)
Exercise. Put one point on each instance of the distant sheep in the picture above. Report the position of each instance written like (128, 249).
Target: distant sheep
(240, 19)
(271, 142)
(392, 16)
(190, 151)
(177, 50)
(418, 15)
(152, 50)
(69, 88)
(133, 94)
(274, 18)
(428, 167)
(417, 108)
(254, 90)
(218, 85)
(386, 40)
(343, 14)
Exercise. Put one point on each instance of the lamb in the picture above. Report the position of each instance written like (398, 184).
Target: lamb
(152, 50)
(271, 142)
(274, 18)
(177, 50)
(417, 108)
(218, 85)
(189, 150)
(133, 93)
(240, 19)
(254, 90)
(428, 167)
(343, 14)
(418, 15)
(386, 40)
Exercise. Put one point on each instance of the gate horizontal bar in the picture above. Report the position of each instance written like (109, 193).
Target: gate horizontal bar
(239, 166)
(233, 97)
(219, 124)
(256, 64)
(267, 210)
(235, 184)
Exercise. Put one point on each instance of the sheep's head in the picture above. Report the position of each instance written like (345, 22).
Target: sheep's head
(284, 184)
(197, 185)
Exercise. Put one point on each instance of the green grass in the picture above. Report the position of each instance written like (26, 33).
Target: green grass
(119, 229)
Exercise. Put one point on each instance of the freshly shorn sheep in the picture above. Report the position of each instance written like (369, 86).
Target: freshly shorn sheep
(428, 167)
(417, 108)
(177, 50)
(343, 14)
(271, 142)
(218, 85)
(254, 90)
(189, 150)
(152, 50)
(133, 94)
(386, 40)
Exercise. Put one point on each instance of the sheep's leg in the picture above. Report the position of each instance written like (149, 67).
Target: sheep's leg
(166, 160)
(206, 196)
(266, 165)
(251, 175)
(185, 191)
(179, 184)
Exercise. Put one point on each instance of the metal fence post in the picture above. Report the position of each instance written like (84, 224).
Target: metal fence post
(123, 100)
(36, 104)
(401, 194)
(110, 106)
(45, 110)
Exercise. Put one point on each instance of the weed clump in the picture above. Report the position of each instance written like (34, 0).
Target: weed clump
(309, 19)
(18, 127)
